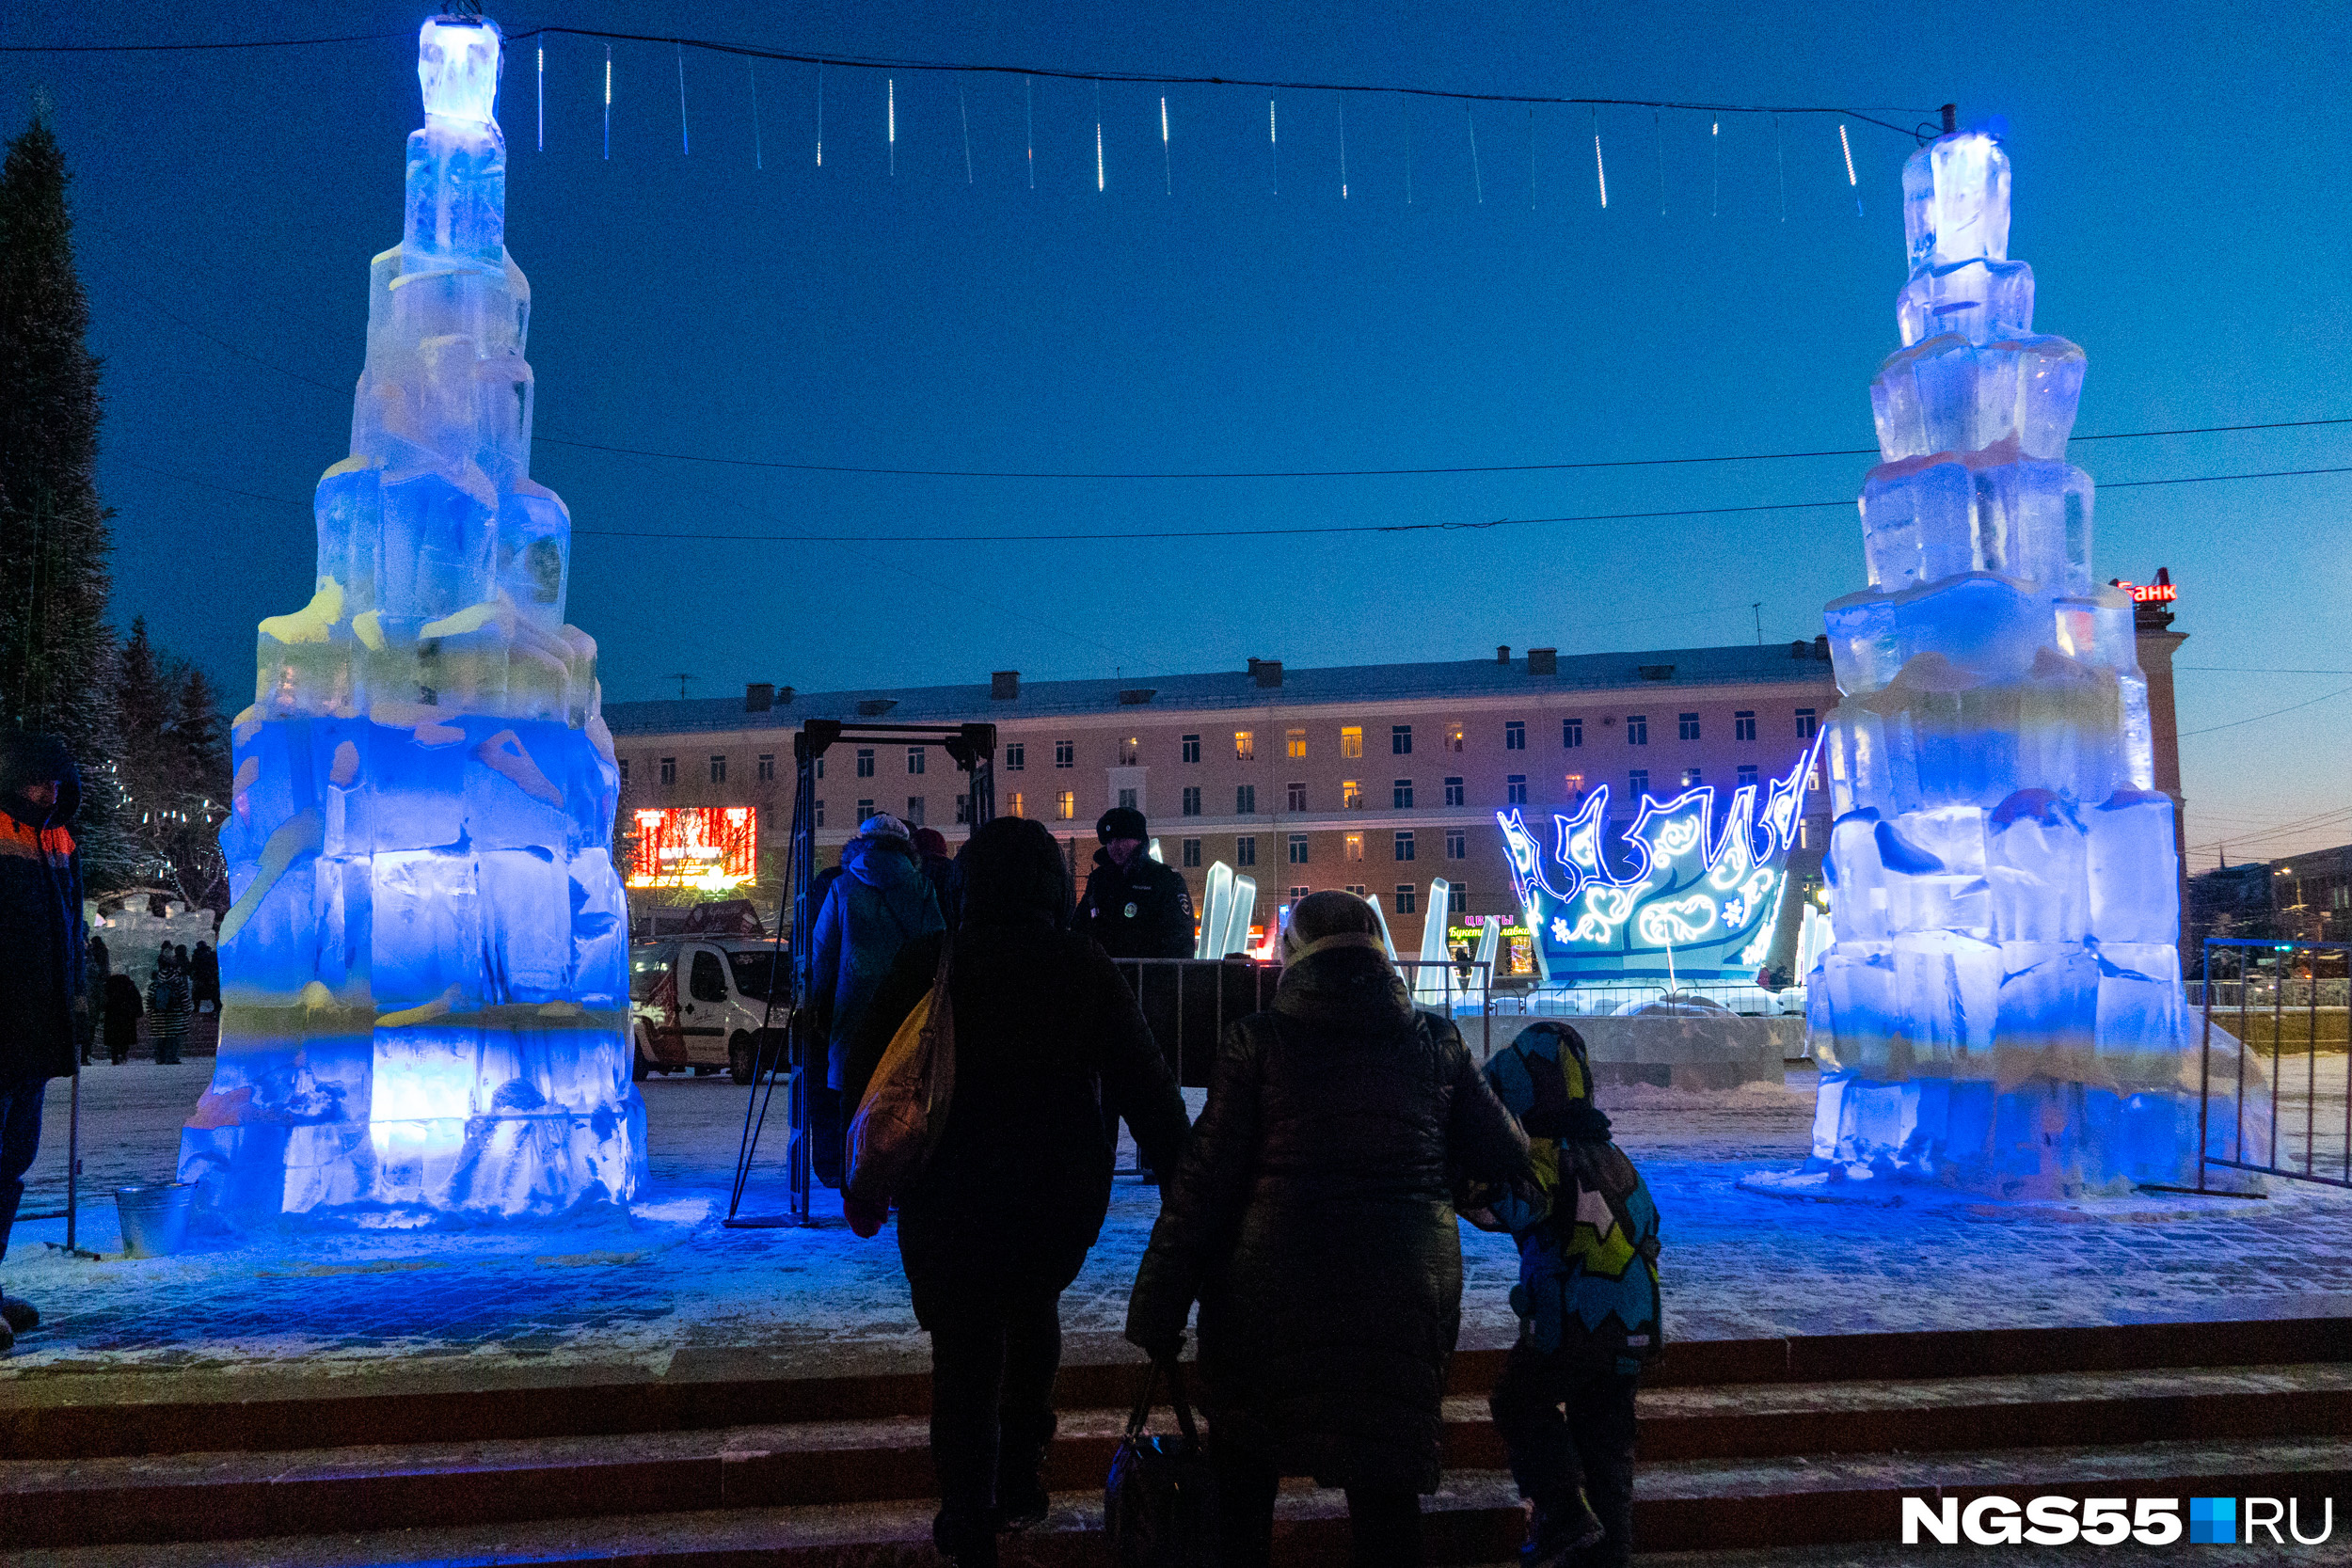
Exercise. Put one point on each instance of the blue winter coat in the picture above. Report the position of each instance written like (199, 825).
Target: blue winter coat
(880, 902)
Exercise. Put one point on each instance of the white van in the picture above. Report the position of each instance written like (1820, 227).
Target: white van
(700, 1003)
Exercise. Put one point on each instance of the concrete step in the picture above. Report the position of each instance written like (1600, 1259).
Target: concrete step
(1683, 1506)
(78, 1416)
(194, 1497)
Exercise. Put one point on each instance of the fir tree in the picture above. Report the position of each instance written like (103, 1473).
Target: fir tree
(172, 769)
(56, 647)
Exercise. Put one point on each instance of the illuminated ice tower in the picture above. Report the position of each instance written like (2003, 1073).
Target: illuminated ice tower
(2002, 1007)
(425, 969)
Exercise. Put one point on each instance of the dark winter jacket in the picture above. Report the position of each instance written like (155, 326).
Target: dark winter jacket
(1015, 1194)
(877, 906)
(1314, 1220)
(123, 1009)
(204, 973)
(43, 943)
(1141, 910)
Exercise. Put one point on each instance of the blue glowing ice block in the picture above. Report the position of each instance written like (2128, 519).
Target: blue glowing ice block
(2001, 1009)
(425, 969)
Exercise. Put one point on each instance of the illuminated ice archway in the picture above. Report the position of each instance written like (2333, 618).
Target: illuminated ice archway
(1681, 894)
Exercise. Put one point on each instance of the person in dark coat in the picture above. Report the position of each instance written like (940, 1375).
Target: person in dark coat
(939, 871)
(879, 904)
(123, 1011)
(170, 1007)
(1135, 906)
(45, 945)
(205, 976)
(96, 965)
(1001, 1218)
(1313, 1218)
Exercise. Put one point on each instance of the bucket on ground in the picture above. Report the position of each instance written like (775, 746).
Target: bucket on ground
(155, 1217)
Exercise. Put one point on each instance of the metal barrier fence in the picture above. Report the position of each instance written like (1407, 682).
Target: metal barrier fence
(2324, 993)
(2258, 979)
(1190, 1001)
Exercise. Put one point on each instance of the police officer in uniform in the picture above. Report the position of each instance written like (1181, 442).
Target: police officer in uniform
(1136, 908)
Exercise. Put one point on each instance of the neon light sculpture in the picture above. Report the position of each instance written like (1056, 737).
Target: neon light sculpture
(1679, 898)
(425, 968)
(2001, 1008)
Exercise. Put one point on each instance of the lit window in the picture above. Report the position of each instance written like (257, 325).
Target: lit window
(1571, 734)
(1637, 784)
(865, 811)
(1405, 844)
(1128, 751)
(1456, 844)
(1455, 794)
(1351, 795)
(1453, 737)
(1066, 804)
(1401, 794)
(1294, 744)
(1065, 753)
(1747, 774)
(1128, 798)
(1016, 757)
(1244, 851)
(1351, 740)
(1245, 799)
(1192, 800)
(914, 811)
(866, 762)
(1408, 899)
(820, 766)
(1298, 796)
(1298, 848)
(1401, 740)
(1012, 804)
(1804, 833)
(1806, 723)
(1744, 724)
(1690, 723)
(669, 770)
(1691, 779)
(1514, 735)
(1192, 852)
(915, 759)
(1515, 789)
(767, 766)
(1192, 748)
(1574, 783)
(1353, 846)
(1244, 746)
(1637, 729)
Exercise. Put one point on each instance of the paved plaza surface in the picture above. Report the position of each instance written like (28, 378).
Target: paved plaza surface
(668, 1292)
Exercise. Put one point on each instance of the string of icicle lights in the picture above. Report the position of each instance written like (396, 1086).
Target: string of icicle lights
(890, 70)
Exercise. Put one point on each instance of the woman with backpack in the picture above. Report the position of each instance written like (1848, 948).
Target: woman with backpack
(1312, 1219)
(1001, 1216)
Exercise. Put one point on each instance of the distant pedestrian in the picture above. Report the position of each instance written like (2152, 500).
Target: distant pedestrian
(169, 1007)
(89, 1013)
(879, 904)
(1313, 1218)
(939, 870)
(1587, 1300)
(123, 1012)
(1000, 1220)
(44, 947)
(205, 978)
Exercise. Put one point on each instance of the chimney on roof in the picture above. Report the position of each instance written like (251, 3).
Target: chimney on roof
(1502, 653)
(1820, 647)
(1800, 649)
(1266, 672)
(1004, 686)
(1543, 662)
(783, 695)
(758, 696)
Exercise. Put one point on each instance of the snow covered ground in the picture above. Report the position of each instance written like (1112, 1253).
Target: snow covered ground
(668, 1288)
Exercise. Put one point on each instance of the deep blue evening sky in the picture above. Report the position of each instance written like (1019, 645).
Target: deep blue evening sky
(2180, 191)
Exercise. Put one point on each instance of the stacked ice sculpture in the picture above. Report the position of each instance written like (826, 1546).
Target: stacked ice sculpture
(425, 969)
(2001, 1009)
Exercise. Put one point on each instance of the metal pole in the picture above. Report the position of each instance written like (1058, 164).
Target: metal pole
(2204, 1071)
(74, 1164)
(2311, 1067)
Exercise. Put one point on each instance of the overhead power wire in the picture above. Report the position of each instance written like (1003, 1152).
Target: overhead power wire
(875, 62)
(1352, 473)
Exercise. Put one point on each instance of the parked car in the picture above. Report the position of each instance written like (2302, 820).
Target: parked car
(701, 1002)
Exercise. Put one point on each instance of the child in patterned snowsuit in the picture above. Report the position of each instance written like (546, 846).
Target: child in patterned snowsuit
(170, 1005)
(1587, 1301)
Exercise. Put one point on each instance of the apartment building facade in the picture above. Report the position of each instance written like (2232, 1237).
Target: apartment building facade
(1379, 779)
